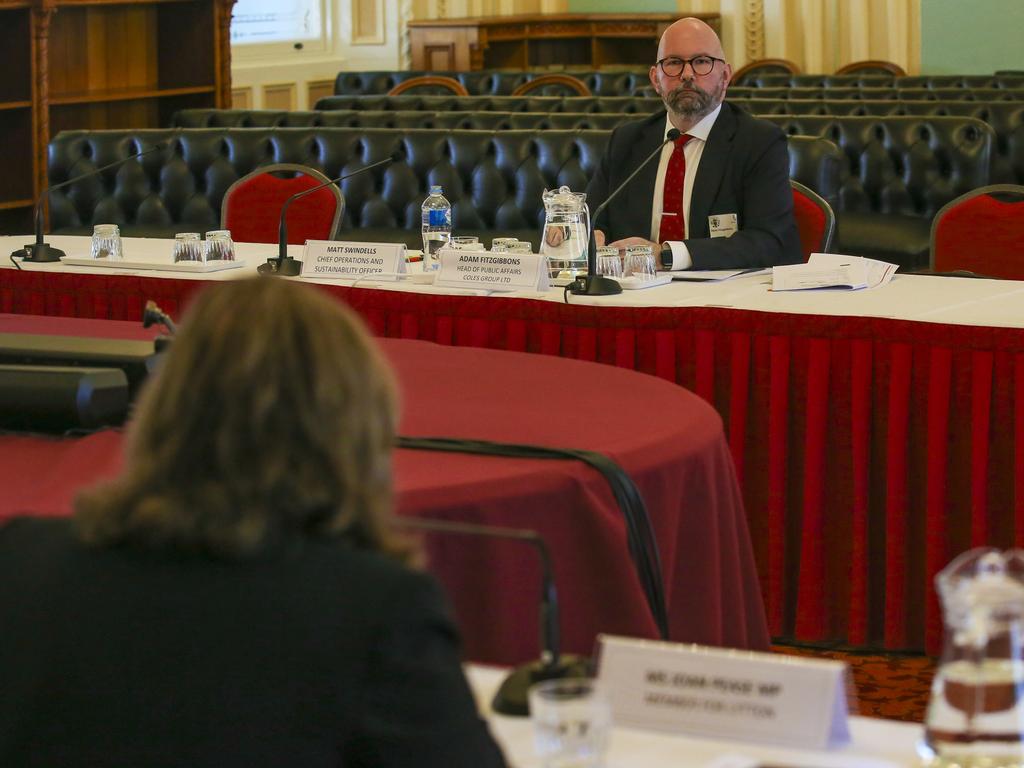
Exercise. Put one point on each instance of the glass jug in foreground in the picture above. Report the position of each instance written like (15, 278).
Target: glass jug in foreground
(976, 715)
(566, 232)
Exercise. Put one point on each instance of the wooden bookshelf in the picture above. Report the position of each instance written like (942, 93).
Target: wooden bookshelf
(81, 64)
(541, 40)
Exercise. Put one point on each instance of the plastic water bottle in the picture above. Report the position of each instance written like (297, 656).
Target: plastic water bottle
(437, 226)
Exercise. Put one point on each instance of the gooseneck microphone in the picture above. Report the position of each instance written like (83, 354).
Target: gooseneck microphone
(511, 698)
(39, 251)
(285, 265)
(152, 315)
(594, 284)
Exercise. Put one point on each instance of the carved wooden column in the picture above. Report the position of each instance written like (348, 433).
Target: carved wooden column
(222, 12)
(42, 16)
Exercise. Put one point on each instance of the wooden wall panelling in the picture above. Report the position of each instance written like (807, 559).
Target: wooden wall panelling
(279, 96)
(318, 89)
(367, 22)
(241, 98)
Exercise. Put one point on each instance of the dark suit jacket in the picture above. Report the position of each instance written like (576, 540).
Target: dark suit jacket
(316, 656)
(744, 169)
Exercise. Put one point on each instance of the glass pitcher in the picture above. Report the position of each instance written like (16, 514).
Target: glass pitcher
(566, 232)
(976, 714)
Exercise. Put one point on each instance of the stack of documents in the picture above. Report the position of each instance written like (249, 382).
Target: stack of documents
(832, 270)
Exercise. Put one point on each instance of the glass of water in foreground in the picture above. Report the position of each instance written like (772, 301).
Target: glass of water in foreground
(106, 242)
(187, 247)
(571, 722)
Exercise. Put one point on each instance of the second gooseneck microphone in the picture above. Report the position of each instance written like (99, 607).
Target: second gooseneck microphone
(285, 265)
(594, 284)
(41, 252)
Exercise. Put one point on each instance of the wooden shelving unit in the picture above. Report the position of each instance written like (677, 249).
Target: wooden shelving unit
(81, 64)
(17, 115)
(540, 40)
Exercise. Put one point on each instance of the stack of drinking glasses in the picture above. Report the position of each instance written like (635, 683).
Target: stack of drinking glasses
(217, 246)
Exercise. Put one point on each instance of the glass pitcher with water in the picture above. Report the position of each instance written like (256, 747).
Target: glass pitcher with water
(566, 232)
(976, 714)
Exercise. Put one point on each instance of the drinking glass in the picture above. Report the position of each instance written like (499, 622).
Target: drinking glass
(571, 722)
(609, 263)
(218, 246)
(503, 244)
(466, 243)
(639, 262)
(187, 247)
(106, 242)
(521, 246)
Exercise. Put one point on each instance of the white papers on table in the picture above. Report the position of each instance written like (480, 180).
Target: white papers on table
(832, 270)
(713, 275)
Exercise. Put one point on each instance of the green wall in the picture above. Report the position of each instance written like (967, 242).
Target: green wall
(963, 37)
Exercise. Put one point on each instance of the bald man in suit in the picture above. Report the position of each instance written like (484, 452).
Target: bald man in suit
(719, 197)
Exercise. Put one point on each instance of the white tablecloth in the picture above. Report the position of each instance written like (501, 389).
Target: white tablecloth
(875, 743)
(908, 297)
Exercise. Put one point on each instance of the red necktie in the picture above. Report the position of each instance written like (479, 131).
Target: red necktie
(673, 227)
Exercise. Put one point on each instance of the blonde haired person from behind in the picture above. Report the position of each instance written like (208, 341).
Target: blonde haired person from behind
(236, 597)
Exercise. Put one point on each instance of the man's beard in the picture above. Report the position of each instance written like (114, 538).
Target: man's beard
(690, 101)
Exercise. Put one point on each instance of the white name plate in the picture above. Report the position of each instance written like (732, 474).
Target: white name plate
(352, 261)
(492, 271)
(725, 694)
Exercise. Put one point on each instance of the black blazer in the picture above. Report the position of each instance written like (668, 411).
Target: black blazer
(744, 169)
(317, 656)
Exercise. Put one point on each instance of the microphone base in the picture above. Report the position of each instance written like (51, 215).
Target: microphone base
(512, 698)
(286, 267)
(39, 253)
(594, 285)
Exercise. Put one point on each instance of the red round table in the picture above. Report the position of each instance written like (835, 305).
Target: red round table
(668, 440)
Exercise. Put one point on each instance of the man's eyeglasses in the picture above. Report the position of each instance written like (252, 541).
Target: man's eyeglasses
(673, 66)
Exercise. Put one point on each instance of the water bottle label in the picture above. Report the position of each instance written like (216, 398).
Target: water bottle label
(439, 217)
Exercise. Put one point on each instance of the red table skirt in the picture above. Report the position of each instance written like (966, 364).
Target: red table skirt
(870, 451)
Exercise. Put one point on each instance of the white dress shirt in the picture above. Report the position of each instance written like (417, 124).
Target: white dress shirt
(692, 151)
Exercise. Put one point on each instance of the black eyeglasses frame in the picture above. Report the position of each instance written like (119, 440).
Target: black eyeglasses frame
(661, 65)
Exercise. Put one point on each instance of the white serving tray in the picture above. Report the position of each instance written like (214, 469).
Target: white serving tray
(125, 264)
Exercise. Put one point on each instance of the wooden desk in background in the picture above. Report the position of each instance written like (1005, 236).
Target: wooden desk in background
(541, 40)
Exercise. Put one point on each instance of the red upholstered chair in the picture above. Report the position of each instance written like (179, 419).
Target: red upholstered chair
(815, 220)
(252, 205)
(981, 231)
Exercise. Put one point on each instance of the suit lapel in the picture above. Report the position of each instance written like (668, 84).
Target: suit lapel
(710, 172)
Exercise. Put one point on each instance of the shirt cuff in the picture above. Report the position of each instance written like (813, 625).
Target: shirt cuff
(680, 255)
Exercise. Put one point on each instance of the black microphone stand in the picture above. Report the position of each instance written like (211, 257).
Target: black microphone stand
(594, 284)
(152, 315)
(40, 252)
(283, 264)
(512, 697)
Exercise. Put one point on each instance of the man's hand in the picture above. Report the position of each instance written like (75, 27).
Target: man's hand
(599, 238)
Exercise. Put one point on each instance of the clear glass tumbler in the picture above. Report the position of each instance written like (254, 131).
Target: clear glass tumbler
(106, 242)
(503, 244)
(521, 246)
(218, 246)
(571, 722)
(609, 262)
(639, 262)
(187, 247)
